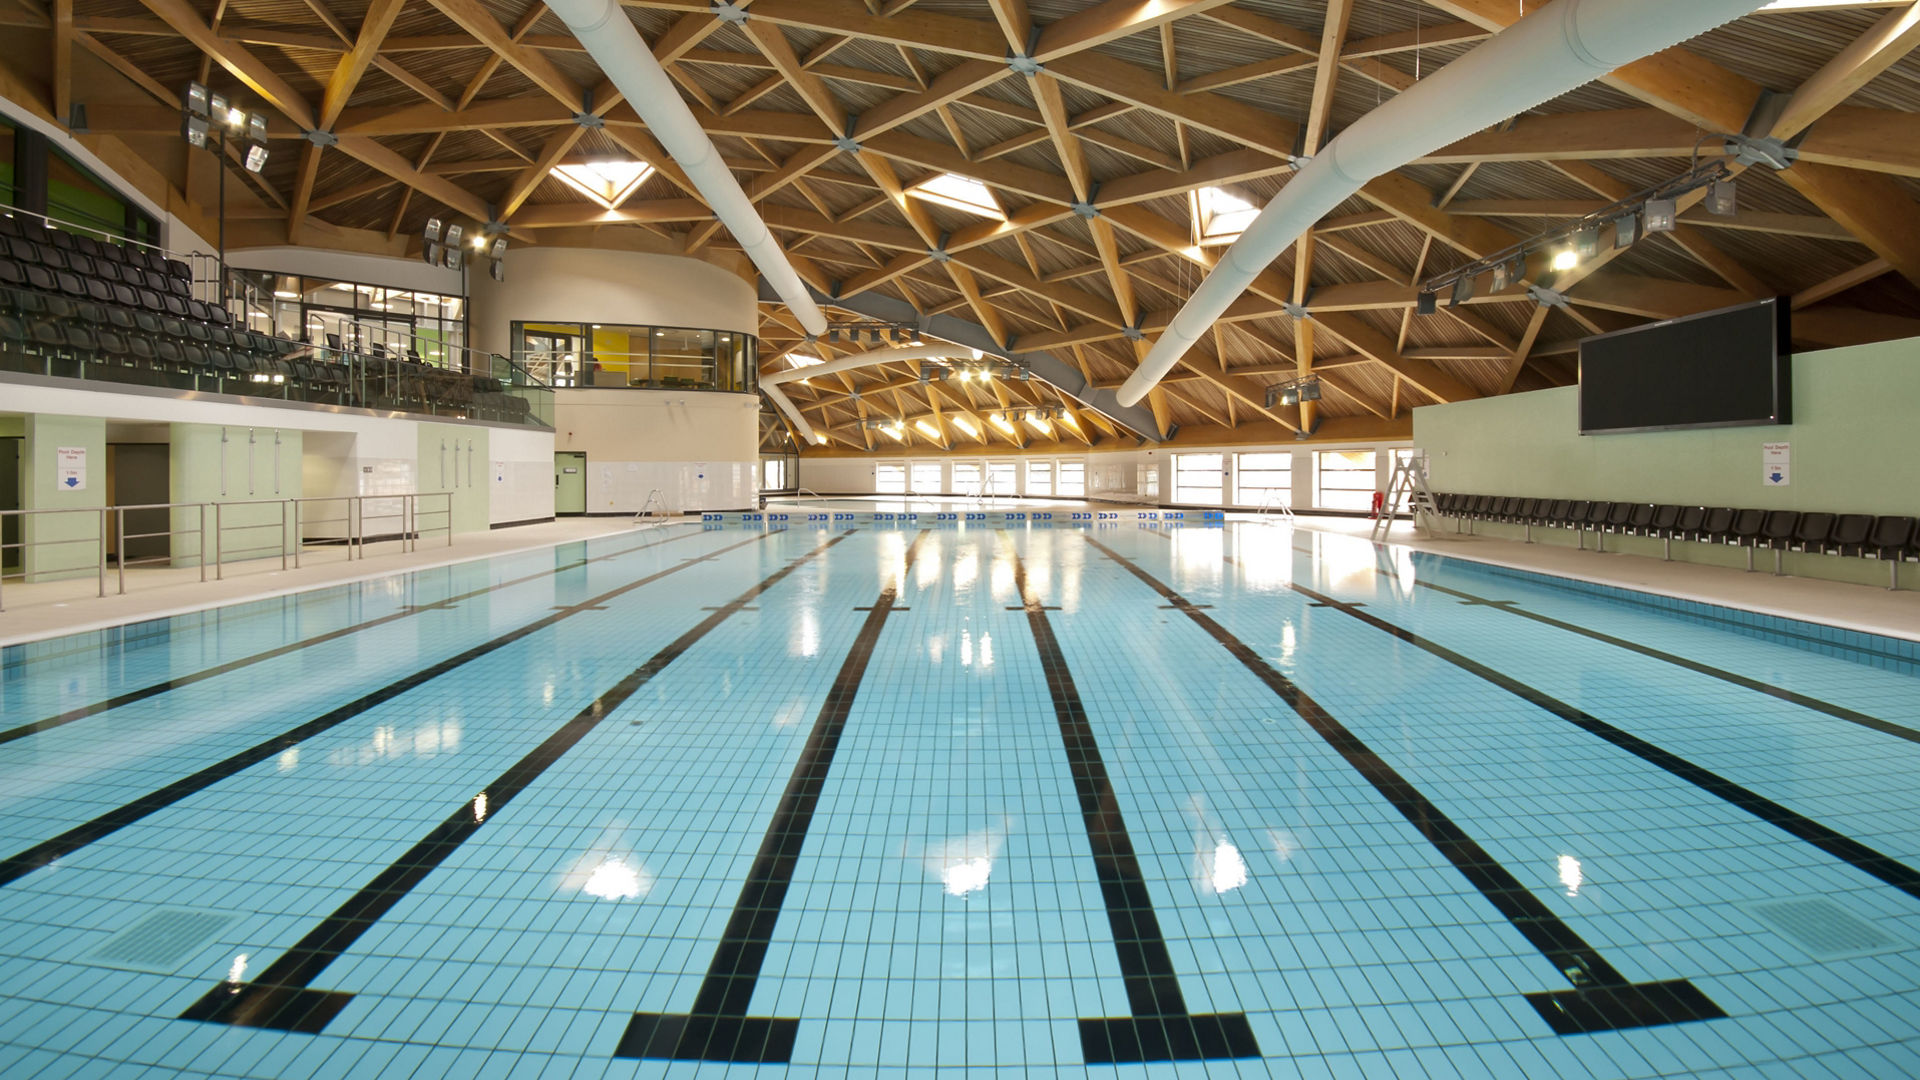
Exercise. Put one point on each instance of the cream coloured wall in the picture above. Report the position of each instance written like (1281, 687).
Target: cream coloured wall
(600, 286)
(699, 448)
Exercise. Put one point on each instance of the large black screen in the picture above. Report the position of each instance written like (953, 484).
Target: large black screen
(1723, 368)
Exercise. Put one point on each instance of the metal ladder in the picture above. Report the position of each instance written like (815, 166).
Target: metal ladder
(1276, 502)
(655, 504)
(1408, 483)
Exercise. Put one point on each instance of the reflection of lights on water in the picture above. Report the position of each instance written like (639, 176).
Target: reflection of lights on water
(615, 880)
(238, 972)
(289, 758)
(969, 652)
(1284, 843)
(936, 647)
(480, 807)
(966, 570)
(969, 875)
(1289, 641)
(808, 642)
(1570, 874)
(1226, 870)
(427, 740)
(986, 650)
(546, 693)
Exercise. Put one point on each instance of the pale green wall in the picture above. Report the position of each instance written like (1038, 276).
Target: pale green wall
(43, 435)
(454, 458)
(1853, 451)
(251, 476)
(1853, 436)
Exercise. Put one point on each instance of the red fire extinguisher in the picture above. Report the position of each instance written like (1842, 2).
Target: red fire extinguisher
(1379, 504)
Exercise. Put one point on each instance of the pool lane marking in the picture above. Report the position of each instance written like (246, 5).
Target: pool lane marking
(718, 1028)
(1838, 712)
(1602, 999)
(1865, 859)
(46, 852)
(35, 727)
(281, 997)
(1161, 1027)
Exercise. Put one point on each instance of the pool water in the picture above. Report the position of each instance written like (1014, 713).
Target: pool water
(879, 795)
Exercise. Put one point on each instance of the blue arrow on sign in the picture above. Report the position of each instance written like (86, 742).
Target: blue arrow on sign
(1775, 477)
(73, 481)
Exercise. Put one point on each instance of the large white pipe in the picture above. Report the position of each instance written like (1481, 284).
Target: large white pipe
(611, 39)
(1556, 49)
(770, 384)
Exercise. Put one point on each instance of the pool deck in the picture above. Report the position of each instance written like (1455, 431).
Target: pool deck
(51, 609)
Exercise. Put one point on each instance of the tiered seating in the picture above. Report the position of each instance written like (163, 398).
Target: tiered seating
(1888, 537)
(75, 306)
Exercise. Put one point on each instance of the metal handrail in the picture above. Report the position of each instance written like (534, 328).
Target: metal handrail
(210, 539)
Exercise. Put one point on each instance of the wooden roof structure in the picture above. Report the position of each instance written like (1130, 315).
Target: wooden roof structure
(462, 108)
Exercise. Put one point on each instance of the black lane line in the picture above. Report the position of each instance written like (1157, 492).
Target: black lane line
(44, 853)
(1842, 847)
(1602, 999)
(1838, 712)
(718, 1027)
(131, 696)
(282, 997)
(1161, 1027)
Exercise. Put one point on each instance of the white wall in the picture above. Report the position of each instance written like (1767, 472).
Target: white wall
(599, 286)
(346, 452)
(1131, 475)
(699, 448)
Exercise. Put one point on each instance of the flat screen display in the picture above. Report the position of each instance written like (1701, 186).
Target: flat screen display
(1726, 368)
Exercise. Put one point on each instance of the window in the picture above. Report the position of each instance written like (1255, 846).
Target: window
(1197, 479)
(1220, 216)
(926, 477)
(1001, 478)
(1343, 479)
(966, 478)
(373, 318)
(1071, 479)
(1039, 477)
(890, 478)
(1263, 479)
(773, 474)
(619, 355)
(605, 182)
(959, 193)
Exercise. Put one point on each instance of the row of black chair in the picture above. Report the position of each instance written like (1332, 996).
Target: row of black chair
(29, 242)
(1889, 537)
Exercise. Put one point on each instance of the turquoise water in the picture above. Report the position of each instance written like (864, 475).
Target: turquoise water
(877, 795)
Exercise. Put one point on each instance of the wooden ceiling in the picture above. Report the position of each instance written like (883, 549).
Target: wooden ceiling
(462, 107)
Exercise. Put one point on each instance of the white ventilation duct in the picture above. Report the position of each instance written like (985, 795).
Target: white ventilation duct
(1558, 48)
(770, 384)
(610, 38)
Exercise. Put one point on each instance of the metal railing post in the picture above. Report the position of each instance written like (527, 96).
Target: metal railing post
(105, 516)
(120, 530)
(450, 507)
(283, 537)
(298, 539)
(200, 542)
(219, 574)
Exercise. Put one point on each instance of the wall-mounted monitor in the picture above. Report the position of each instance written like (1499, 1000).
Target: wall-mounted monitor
(1726, 368)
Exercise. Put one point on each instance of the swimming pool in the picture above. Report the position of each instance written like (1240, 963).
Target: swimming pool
(884, 793)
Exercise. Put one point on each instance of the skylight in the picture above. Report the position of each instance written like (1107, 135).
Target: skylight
(801, 360)
(605, 182)
(1220, 216)
(959, 193)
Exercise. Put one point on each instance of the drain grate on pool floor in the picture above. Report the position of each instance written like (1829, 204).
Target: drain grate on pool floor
(1822, 928)
(161, 941)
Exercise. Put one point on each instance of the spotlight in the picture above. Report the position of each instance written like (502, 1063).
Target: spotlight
(197, 100)
(1586, 242)
(257, 128)
(1661, 215)
(1626, 229)
(430, 251)
(452, 257)
(479, 242)
(236, 119)
(195, 128)
(833, 334)
(499, 247)
(497, 270)
(897, 335)
(1462, 291)
(1565, 259)
(1499, 276)
(256, 158)
(217, 108)
(873, 336)
(1426, 303)
(432, 231)
(454, 233)
(1721, 200)
(1517, 271)
(1290, 396)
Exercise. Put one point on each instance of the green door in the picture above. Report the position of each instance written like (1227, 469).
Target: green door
(569, 483)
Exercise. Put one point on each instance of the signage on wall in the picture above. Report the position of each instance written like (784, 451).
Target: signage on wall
(70, 468)
(1775, 464)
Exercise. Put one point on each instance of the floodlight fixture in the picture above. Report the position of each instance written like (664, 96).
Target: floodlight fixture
(499, 248)
(1722, 200)
(257, 128)
(217, 108)
(452, 257)
(195, 128)
(1586, 242)
(497, 270)
(1626, 229)
(236, 119)
(833, 334)
(432, 231)
(256, 158)
(1499, 276)
(1426, 303)
(197, 100)
(454, 232)
(1661, 215)
(430, 251)
(1462, 290)
(1565, 258)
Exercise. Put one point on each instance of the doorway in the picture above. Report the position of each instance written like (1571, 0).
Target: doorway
(569, 483)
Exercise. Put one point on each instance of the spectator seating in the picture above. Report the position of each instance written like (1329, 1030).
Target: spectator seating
(1890, 538)
(75, 306)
